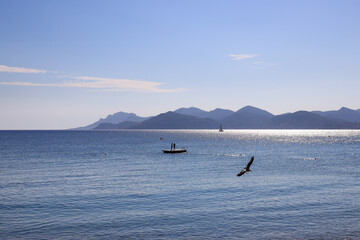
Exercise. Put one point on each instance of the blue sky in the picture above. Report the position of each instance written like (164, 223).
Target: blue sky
(65, 63)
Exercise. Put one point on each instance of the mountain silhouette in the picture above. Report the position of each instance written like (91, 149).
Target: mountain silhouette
(247, 118)
(219, 114)
(114, 119)
(343, 114)
(216, 114)
(192, 111)
(302, 120)
(172, 120)
(122, 125)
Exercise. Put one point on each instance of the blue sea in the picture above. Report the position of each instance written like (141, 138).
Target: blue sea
(304, 184)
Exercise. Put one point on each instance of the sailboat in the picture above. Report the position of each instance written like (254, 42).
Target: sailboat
(220, 128)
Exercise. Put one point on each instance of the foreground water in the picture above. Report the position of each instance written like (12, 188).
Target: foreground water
(119, 184)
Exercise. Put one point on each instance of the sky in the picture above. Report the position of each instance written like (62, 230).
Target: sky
(65, 64)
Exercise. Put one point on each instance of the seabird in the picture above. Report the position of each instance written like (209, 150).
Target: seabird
(247, 169)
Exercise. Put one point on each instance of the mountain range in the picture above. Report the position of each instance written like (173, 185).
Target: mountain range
(245, 118)
(114, 119)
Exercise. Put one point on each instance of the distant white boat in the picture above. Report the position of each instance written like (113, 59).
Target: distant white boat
(220, 128)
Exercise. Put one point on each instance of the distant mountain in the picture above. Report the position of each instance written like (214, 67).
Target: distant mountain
(192, 111)
(303, 120)
(172, 120)
(343, 114)
(115, 118)
(219, 114)
(247, 118)
(254, 110)
(216, 114)
(122, 125)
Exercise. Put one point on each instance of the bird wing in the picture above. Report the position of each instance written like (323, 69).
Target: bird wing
(250, 162)
(241, 173)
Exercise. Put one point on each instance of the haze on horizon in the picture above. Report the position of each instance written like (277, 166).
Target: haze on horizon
(65, 64)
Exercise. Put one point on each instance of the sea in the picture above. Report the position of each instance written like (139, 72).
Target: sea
(304, 184)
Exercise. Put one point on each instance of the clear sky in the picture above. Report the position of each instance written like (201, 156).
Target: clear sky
(67, 63)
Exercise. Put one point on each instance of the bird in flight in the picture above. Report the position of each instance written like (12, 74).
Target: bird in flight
(247, 168)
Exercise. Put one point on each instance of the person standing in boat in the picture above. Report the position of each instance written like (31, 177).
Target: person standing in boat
(174, 146)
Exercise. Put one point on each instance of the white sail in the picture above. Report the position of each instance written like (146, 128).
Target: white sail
(220, 128)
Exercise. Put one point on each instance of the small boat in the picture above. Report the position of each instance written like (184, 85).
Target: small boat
(174, 151)
(220, 128)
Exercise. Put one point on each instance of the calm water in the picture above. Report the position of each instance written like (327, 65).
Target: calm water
(119, 184)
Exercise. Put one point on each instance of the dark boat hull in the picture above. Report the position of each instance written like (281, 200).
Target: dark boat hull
(175, 151)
